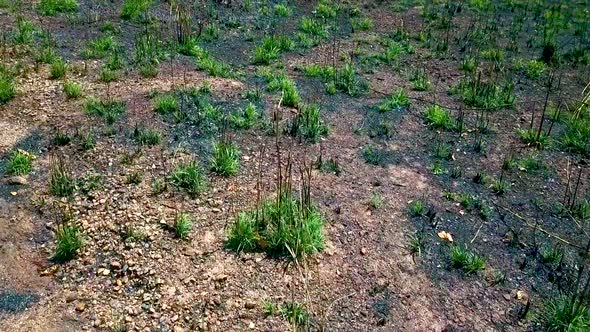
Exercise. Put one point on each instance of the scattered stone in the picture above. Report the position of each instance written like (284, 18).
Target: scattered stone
(15, 181)
(115, 265)
(81, 307)
(250, 305)
(363, 251)
(71, 297)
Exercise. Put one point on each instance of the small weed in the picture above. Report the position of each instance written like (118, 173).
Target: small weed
(90, 183)
(19, 163)
(551, 256)
(226, 159)
(417, 243)
(7, 88)
(189, 177)
(361, 23)
(438, 118)
(62, 138)
(159, 186)
(420, 80)
(376, 201)
(295, 313)
(466, 260)
(52, 7)
(69, 242)
(24, 31)
(468, 64)
(147, 136)
(182, 226)
(46, 55)
(100, 47)
(348, 82)
(373, 155)
(134, 178)
(110, 111)
(269, 308)
(61, 183)
(108, 75)
(87, 141)
(417, 208)
(309, 124)
(313, 27)
(532, 69)
(398, 101)
(135, 9)
(500, 186)
(72, 90)
(532, 137)
(282, 10)
(271, 48)
(443, 151)
(58, 69)
(564, 315)
(166, 104)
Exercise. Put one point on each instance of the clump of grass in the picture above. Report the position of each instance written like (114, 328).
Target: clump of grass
(182, 226)
(226, 158)
(466, 260)
(46, 55)
(87, 141)
(348, 81)
(166, 104)
(7, 87)
(134, 9)
(295, 313)
(490, 95)
(245, 119)
(147, 136)
(551, 255)
(398, 101)
(532, 69)
(439, 118)
(417, 208)
(417, 243)
(309, 124)
(72, 90)
(281, 227)
(52, 7)
(110, 111)
(376, 201)
(58, 69)
(134, 178)
(159, 186)
(108, 75)
(420, 80)
(373, 155)
(282, 82)
(282, 10)
(576, 137)
(69, 241)
(100, 47)
(532, 137)
(61, 183)
(565, 314)
(361, 23)
(62, 138)
(214, 67)
(468, 64)
(271, 48)
(24, 31)
(313, 27)
(500, 186)
(190, 177)
(19, 163)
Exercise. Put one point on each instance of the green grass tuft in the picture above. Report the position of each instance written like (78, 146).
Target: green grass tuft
(226, 159)
(52, 7)
(439, 118)
(397, 101)
(110, 111)
(189, 177)
(19, 163)
(73, 90)
(283, 227)
(182, 226)
(466, 260)
(69, 242)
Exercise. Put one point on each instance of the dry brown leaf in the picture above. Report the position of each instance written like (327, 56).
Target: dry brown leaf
(445, 236)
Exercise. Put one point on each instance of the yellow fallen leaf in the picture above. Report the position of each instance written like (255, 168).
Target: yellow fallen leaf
(13, 193)
(445, 236)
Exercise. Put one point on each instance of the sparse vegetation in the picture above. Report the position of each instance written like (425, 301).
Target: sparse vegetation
(226, 158)
(19, 163)
(190, 177)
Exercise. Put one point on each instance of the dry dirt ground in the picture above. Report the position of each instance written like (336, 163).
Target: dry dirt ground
(366, 279)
